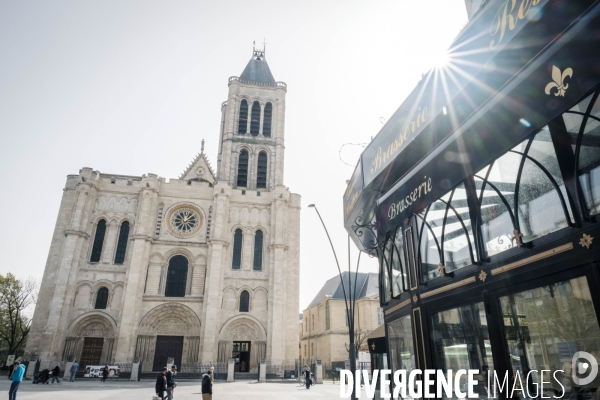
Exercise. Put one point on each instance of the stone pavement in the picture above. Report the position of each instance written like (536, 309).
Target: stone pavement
(123, 390)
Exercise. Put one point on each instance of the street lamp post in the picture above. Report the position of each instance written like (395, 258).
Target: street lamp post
(349, 299)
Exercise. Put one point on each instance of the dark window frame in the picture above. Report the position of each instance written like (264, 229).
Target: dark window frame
(177, 274)
(238, 241)
(122, 243)
(242, 171)
(255, 118)
(267, 119)
(98, 241)
(243, 118)
(262, 170)
(258, 250)
(244, 301)
(101, 298)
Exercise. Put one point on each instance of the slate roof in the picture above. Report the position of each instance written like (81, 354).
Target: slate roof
(367, 285)
(257, 70)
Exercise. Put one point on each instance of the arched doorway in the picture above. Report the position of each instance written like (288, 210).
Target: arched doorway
(90, 340)
(168, 331)
(244, 339)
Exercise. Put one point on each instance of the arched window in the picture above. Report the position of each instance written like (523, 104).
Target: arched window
(122, 243)
(98, 241)
(177, 277)
(261, 171)
(244, 301)
(242, 178)
(267, 120)
(258, 248)
(255, 119)
(101, 299)
(237, 249)
(243, 121)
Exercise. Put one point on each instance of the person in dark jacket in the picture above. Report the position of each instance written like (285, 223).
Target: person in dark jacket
(207, 386)
(55, 373)
(104, 373)
(307, 377)
(170, 377)
(161, 384)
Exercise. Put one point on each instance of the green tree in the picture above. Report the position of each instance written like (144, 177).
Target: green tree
(16, 300)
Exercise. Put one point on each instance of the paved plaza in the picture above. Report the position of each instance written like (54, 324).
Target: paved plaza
(95, 390)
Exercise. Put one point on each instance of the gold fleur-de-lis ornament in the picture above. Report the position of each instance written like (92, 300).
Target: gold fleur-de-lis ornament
(559, 81)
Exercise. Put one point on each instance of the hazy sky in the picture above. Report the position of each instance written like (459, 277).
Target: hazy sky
(132, 87)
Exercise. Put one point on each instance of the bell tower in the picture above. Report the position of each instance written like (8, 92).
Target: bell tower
(251, 147)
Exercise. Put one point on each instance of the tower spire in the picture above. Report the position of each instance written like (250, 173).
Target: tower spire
(202, 147)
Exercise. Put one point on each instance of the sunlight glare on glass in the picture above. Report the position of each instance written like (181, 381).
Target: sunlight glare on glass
(441, 59)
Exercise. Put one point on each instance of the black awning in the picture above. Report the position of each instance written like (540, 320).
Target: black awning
(471, 111)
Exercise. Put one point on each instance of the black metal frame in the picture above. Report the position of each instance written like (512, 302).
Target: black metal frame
(579, 261)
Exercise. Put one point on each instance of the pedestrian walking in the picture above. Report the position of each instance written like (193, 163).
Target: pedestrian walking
(10, 371)
(73, 371)
(207, 386)
(161, 384)
(212, 374)
(17, 378)
(170, 378)
(307, 379)
(104, 373)
(56, 373)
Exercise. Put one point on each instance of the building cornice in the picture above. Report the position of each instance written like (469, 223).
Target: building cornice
(77, 233)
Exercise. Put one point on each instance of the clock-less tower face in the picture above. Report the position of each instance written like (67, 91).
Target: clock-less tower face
(184, 220)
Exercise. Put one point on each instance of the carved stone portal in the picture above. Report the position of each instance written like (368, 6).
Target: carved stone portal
(242, 330)
(94, 326)
(170, 319)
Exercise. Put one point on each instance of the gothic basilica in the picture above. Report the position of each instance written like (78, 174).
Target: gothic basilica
(201, 269)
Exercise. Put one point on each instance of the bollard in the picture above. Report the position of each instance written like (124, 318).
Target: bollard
(230, 369)
(67, 374)
(262, 370)
(319, 372)
(135, 368)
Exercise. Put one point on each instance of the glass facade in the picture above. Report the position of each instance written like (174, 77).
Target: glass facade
(500, 273)
(400, 344)
(545, 327)
(462, 341)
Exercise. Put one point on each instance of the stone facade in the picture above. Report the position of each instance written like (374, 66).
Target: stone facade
(73, 316)
(324, 331)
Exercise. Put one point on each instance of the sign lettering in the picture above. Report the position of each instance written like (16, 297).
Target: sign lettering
(397, 208)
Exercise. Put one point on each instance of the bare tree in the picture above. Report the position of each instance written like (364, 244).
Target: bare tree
(360, 340)
(16, 300)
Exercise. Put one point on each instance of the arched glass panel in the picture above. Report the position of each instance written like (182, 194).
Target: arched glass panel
(583, 124)
(267, 120)
(243, 120)
(258, 249)
(446, 236)
(237, 250)
(398, 265)
(522, 195)
(384, 273)
(242, 178)
(101, 299)
(122, 243)
(261, 170)
(255, 119)
(98, 241)
(176, 277)
(244, 301)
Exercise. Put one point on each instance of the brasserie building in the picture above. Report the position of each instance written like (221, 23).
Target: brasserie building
(481, 199)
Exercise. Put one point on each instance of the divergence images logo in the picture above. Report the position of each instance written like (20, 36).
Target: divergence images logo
(581, 368)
